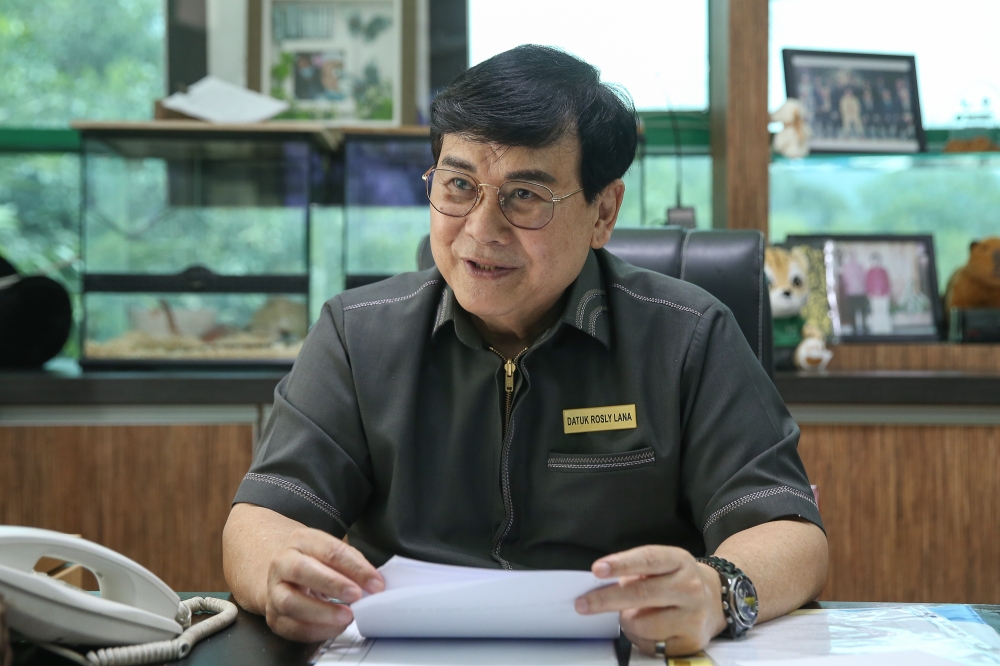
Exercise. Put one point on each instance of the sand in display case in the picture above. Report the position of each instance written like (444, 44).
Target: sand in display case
(196, 246)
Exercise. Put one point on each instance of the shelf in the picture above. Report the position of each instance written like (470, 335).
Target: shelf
(930, 357)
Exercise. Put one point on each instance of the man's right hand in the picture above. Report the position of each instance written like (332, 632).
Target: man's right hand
(309, 569)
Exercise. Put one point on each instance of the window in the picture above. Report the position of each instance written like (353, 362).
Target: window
(61, 60)
(952, 196)
(658, 51)
(64, 59)
(955, 46)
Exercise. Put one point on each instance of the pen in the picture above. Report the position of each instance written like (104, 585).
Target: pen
(623, 648)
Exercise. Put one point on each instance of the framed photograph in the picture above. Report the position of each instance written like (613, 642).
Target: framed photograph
(334, 60)
(880, 287)
(857, 102)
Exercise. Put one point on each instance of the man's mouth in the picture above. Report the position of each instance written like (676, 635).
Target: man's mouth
(486, 270)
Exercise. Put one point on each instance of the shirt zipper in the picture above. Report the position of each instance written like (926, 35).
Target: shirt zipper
(509, 367)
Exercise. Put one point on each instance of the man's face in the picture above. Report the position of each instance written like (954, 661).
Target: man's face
(509, 277)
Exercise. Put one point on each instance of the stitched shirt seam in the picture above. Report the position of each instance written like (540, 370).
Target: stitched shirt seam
(747, 499)
(603, 459)
(442, 306)
(659, 301)
(310, 497)
(384, 301)
(626, 463)
(581, 309)
(593, 319)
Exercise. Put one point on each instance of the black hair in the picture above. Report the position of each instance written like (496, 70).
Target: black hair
(532, 96)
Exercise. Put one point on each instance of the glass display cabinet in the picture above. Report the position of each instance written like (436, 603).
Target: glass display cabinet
(196, 242)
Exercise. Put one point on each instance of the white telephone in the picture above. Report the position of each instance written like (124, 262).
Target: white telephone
(134, 605)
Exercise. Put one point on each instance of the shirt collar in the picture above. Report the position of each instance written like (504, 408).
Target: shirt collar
(586, 309)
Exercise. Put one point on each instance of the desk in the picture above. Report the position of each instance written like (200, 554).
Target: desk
(249, 642)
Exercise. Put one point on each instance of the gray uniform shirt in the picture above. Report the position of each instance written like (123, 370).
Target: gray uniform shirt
(391, 427)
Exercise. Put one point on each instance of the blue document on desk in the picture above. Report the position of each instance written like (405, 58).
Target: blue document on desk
(424, 600)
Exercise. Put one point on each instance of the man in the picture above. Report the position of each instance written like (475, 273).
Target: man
(425, 414)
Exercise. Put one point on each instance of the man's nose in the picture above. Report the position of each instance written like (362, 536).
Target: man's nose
(486, 222)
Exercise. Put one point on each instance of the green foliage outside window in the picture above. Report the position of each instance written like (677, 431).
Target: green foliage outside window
(65, 59)
(954, 198)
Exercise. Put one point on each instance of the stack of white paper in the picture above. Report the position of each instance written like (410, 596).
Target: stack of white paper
(219, 101)
(423, 600)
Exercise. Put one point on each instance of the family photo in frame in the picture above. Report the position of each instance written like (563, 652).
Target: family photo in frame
(857, 102)
(880, 287)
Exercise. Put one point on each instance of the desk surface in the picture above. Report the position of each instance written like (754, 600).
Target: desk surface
(249, 642)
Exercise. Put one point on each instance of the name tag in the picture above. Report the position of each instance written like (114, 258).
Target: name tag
(592, 419)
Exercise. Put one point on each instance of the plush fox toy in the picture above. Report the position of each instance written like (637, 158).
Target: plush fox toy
(796, 342)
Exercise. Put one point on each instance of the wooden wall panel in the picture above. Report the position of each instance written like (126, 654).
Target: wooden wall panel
(912, 512)
(741, 150)
(158, 494)
(899, 356)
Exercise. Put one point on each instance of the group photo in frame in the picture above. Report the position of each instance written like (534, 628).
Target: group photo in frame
(334, 60)
(857, 102)
(880, 287)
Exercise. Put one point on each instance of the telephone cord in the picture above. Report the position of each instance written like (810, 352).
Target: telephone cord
(160, 651)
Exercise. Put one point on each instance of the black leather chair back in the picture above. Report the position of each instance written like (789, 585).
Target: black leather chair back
(727, 263)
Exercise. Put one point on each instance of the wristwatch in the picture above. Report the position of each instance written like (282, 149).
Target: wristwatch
(739, 596)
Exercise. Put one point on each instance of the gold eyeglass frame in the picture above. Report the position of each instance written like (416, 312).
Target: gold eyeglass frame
(553, 199)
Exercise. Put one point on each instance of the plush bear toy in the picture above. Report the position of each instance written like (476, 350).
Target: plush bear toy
(797, 343)
(977, 284)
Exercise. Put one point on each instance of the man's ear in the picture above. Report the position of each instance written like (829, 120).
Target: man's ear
(608, 203)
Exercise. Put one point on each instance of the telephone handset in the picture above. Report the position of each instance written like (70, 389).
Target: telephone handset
(134, 605)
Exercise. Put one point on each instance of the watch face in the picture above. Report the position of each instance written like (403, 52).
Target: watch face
(745, 597)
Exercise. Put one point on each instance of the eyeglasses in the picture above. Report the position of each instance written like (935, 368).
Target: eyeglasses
(526, 205)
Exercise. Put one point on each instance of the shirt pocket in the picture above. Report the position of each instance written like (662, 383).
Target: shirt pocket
(601, 462)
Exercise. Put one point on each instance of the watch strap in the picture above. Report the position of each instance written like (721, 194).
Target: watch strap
(728, 573)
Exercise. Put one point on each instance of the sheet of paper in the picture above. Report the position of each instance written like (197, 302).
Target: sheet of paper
(423, 600)
(219, 101)
(351, 648)
(907, 635)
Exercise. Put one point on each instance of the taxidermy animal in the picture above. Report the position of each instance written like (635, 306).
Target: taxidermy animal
(787, 273)
(977, 284)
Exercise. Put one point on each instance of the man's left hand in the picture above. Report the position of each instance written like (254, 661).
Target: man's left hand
(663, 594)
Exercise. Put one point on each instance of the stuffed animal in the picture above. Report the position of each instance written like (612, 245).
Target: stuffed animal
(797, 342)
(977, 284)
(793, 140)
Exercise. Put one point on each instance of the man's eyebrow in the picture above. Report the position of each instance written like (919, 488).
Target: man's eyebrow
(536, 175)
(458, 163)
